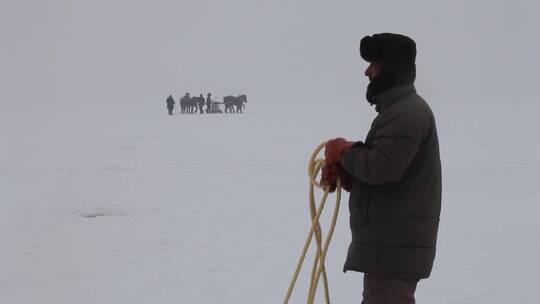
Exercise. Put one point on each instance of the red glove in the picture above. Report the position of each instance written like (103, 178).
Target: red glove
(329, 177)
(334, 150)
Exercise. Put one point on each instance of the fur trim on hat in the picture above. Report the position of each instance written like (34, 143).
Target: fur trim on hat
(388, 47)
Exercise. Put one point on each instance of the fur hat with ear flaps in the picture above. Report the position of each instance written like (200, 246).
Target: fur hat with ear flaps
(396, 54)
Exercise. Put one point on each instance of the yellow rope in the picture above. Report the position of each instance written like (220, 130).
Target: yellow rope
(318, 268)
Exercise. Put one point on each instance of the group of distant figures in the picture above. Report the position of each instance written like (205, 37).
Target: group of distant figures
(194, 104)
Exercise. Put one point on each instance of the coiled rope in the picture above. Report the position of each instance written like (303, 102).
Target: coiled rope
(318, 268)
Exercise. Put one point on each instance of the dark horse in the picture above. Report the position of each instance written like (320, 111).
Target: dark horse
(189, 104)
(234, 101)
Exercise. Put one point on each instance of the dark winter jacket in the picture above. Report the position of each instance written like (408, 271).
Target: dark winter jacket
(170, 102)
(395, 200)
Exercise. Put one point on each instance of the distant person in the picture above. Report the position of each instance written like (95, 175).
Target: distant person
(170, 104)
(394, 178)
(201, 103)
(208, 102)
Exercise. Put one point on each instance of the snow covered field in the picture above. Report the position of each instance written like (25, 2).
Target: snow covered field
(109, 205)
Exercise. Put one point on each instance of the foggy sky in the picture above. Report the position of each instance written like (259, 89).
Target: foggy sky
(55, 52)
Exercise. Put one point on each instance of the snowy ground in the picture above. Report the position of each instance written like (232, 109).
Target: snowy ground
(108, 206)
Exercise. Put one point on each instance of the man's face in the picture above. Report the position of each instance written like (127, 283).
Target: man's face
(372, 70)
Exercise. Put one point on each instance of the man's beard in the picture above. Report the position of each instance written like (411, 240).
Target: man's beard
(390, 75)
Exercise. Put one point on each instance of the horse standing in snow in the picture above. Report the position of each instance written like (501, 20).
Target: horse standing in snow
(234, 101)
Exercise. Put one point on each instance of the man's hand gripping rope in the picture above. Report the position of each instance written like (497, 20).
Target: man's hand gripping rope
(332, 177)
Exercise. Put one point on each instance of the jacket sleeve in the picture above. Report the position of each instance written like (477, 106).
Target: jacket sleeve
(393, 147)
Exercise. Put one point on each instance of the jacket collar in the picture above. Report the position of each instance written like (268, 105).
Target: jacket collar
(388, 98)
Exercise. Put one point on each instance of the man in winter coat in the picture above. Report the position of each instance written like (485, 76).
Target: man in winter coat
(170, 104)
(201, 103)
(208, 102)
(394, 177)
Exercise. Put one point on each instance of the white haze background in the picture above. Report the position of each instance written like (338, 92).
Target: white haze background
(213, 208)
